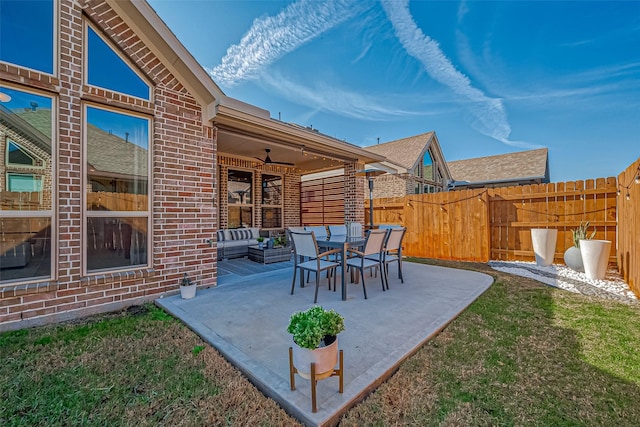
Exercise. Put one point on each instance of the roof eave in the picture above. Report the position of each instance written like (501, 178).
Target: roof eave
(233, 114)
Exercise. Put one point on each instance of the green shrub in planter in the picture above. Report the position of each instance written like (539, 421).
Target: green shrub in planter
(310, 327)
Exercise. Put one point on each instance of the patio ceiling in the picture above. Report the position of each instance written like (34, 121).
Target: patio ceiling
(246, 131)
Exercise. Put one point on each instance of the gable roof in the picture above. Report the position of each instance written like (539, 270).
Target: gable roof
(405, 152)
(521, 165)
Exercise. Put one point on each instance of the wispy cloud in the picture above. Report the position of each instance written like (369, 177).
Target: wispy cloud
(272, 37)
(487, 114)
(329, 98)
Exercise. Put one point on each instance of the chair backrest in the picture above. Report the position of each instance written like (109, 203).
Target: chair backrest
(304, 243)
(320, 231)
(394, 241)
(338, 230)
(355, 229)
(374, 242)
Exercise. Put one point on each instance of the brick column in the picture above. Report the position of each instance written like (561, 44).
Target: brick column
(353, 193)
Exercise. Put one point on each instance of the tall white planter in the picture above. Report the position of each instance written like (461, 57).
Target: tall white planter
(544, 244)
(595, 257)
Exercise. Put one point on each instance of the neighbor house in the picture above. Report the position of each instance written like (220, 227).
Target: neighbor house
(122, 158)
(520, 168)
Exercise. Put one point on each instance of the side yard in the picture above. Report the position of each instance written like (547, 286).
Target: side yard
(522, 354)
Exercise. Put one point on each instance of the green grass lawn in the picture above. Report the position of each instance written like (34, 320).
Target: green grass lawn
(522, 354)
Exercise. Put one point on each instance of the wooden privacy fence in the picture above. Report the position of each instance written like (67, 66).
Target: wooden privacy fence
(629, 226)
(485, 224)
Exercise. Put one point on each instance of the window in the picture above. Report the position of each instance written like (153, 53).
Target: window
(427, 166)
(240, 199)
(18, 156)
(106, 69)
(117, 201)
(271, 201)
(26, 211)
(27, 34)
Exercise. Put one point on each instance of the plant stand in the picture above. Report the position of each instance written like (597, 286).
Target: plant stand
(315, 378)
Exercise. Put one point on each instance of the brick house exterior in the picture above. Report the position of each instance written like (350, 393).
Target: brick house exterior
(190, 120)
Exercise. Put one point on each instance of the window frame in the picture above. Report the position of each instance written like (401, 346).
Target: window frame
(87, 213)
(252, 205)
(49, 214)
(29, 154)
(118, 52)
(54, 45)
(272, 206)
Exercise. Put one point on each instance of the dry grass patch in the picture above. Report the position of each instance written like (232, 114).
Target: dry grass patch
(522, 354)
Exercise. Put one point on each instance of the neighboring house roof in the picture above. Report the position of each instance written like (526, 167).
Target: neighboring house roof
(108, 154)
(405, 152)
(520, 166)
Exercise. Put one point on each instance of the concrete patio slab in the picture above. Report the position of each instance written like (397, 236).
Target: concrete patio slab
(246, 320)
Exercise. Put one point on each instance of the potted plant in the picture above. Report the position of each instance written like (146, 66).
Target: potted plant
(572, 256)
(315, 335)
(260, 242)
(187, 287)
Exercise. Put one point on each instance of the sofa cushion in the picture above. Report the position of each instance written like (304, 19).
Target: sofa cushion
(241, 234)
(220, 235)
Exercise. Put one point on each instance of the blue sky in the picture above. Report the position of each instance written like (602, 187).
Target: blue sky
(488, 77)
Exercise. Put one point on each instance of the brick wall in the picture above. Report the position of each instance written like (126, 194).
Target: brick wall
(354, 187)
(390, 186)
(183, 177)
(291, 190)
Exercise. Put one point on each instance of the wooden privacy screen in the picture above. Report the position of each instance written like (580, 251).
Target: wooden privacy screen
(494, 224)
(629, 227)
(322, 201)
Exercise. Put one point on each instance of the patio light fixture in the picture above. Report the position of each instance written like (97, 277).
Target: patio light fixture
(370, 174)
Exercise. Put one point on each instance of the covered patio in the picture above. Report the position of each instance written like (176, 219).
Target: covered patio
(245, 318)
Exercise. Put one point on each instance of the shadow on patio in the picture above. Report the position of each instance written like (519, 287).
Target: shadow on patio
(246, 316)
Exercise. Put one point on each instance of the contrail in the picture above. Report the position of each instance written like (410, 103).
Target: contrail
(272, 37)
(489, 116)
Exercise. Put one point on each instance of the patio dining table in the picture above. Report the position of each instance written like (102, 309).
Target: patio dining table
(343, 243)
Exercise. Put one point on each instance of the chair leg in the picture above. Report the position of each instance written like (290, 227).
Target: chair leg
(293, 284)
(400, 270)
(315, 299)
(381, 276)
(335, 274)
(364, 288)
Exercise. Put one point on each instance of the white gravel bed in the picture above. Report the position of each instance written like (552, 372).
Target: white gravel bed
(561, 276)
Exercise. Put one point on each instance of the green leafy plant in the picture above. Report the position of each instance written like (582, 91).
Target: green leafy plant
(580, 233)
(310, 327)
(260, 239)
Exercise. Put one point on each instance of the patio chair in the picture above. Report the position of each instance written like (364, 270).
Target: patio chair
(370, 257)
(305, 245)
(337, 230)
(393, 252)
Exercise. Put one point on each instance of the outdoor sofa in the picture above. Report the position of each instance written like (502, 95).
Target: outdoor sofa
(234, 243)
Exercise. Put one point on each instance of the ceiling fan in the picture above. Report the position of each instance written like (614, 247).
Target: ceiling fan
(267, 160)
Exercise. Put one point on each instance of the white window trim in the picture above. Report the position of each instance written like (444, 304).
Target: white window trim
(117, 51)
(86, 214)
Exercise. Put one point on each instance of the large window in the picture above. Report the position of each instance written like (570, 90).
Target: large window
(117, 189)
(271, 201)
(106, 69)
(427, 166)
(26, 211)
(27, 34)
(240, 198)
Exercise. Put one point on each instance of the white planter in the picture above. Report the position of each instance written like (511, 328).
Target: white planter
(573, 259)
(544, 244)
(325, 359)
(187, 292)
(595, 257)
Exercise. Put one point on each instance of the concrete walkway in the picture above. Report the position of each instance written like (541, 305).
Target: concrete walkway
(246, 320)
